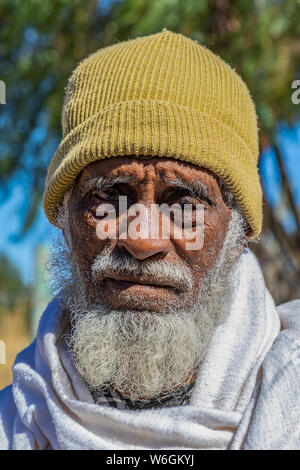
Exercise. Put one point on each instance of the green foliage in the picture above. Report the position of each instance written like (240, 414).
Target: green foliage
(11, 286)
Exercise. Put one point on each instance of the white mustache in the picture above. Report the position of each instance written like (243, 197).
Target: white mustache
(112, 264)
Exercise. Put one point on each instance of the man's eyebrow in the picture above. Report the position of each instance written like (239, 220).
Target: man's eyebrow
(101, 182)
(196, 188)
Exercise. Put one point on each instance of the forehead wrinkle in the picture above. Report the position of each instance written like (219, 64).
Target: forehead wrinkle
(136, 172)
(185, 171)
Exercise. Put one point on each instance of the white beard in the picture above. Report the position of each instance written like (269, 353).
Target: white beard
(143, 353)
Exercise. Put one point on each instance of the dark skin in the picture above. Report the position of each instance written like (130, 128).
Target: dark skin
(147, 185)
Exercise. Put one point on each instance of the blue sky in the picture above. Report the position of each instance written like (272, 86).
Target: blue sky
(289, 142)
(22, 252)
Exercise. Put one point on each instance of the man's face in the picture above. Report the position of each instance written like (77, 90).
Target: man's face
(143, 308)
(145, 181)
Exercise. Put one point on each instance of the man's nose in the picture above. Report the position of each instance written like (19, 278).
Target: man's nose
(146, 243)
(144, 248)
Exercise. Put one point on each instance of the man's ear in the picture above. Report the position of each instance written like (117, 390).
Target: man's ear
(67, 236)
(248, 229)
(65, 219)
(66, 230)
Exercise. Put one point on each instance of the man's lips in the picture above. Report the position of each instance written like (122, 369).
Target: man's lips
(122, 283)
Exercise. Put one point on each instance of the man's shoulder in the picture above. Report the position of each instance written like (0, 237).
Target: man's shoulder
(8, 408)
(277, 412)
(6, 398)
(282, 363)
(286, 347)
(289, 313)
(7, 415)
(292, 307)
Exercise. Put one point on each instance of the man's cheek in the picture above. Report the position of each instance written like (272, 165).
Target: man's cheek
(201, 260)
(85, 229)
(85, 242)
(216, 225)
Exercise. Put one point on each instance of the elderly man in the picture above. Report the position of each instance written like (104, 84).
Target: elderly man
(163, 334)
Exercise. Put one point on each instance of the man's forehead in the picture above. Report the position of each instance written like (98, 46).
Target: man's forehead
(141, 169)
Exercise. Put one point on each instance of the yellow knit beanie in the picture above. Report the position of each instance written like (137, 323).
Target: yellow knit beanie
(162, 95)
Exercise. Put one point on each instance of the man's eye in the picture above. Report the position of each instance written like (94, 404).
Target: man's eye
(182, 197)
(192, 202)
(106, 195)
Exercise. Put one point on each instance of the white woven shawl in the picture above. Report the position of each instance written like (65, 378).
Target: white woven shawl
(49, 405)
